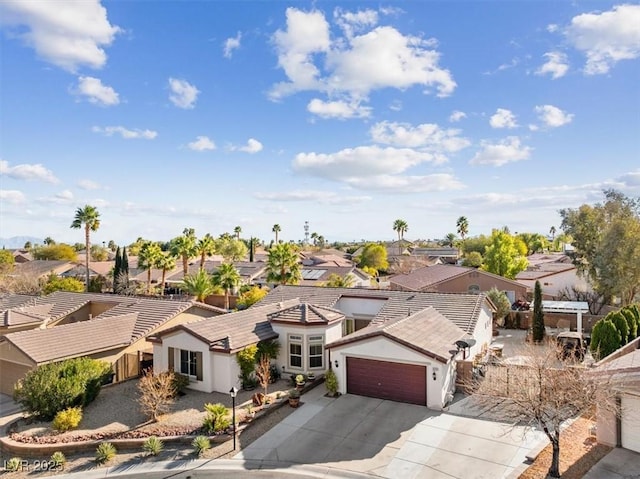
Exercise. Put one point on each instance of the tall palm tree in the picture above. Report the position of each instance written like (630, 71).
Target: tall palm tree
(90, 218)
(463, 226)
(552, 232)
(199, 285)
(237, 230)
(148, 258)
(206, 246)
(314, 237)
(276, 229)
(283, 264)
(165, 262)
(401, 227)
(227, 277)
(184, 247)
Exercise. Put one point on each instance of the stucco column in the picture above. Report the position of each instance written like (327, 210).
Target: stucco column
(580, 321)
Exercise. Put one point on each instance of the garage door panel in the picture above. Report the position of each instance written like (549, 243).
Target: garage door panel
(630, 423)
(387, 380)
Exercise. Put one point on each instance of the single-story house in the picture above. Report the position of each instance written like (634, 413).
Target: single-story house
(101, 326)
(206, 351)
(623, 429)
(447, 278)
(41, 268)
(15, 315)
(555, 274)
(320, 274)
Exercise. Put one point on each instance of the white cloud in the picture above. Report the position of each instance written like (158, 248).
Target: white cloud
(27, 172)
(396, 105)
(66, 33)
(503, 118)
(606, 38)
(89, 185)
(126, 133)
(354, 65)
(184, 94)
(64, 196)
(556, 65)
(96, 92)
(231, 44)
(252, 146)
(426, 136)
(497, 154)
(316, 196)
(12, 196)
(362, 161)
(338, 109)
(202, 143)
(456, 116)
(408, 184)
(355, 22)
(552, 116)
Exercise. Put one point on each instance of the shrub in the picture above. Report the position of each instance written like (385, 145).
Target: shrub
(13, 464)
(217, 418)
(632, 323)
(157, 392)
(68, 419)
(331, 382)
(201, 444)
(53, 387)
(246, 359)
(620, 322)
(153, 446)
(58, 459)
(294, 393)
(105, 452)
(180, 382)
(538, 314)
(605, 339)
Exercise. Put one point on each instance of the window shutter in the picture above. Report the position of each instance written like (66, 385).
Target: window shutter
(172, 356)
(199, 366)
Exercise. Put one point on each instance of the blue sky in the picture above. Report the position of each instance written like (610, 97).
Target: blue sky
(348, 115)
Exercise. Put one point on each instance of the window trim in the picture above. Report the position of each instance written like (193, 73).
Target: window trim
(295, 339)
(316, 340)
(195, 359)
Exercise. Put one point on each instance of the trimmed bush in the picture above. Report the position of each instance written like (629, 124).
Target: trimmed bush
(200, 445)
(605, 339)
(13, 464)
(538, 314)
(105, 452)
(632, 323)
(68, 419)
(58, 459)
(620, 322)
(217, 418)
(180, 383)
(53, 387)
(153, 446)
(331, 382)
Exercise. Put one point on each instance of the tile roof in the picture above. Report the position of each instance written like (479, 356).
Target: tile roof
(426, 331)
(74, 339)
(427, 276)
(9, 301)
(304, 313)
(233, 331)
(40, 267)
(462, 309)
(248, 270)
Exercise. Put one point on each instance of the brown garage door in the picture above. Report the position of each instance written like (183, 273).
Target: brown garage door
(387, 380)
(10, 373)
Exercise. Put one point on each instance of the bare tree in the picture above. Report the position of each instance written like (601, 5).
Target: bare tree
(542, 392)
(263, 372)
(157, 393)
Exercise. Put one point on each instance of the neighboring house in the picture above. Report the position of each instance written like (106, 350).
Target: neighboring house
(324, 259)
(442, 255)
(22, 255)
(556, 274)
(41, 268)
(318, 275)
(206, 351)
(250, 272)
(15, 315)
(623, 369)
(446, 278)
(96, 268)
(101, 326)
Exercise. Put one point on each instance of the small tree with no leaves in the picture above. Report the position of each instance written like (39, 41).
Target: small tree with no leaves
(263, 372)
(543, 393)
(157, 393)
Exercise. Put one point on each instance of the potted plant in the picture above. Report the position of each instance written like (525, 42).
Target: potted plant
(300, 381)
(294, 398)
(311, 376)
(331, 382)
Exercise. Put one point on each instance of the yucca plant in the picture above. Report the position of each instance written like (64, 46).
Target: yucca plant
(201, 444)
(105, 452)
(153, 446)
(58, 459)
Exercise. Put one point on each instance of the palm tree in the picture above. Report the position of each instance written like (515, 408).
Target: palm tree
(463, 226)
(90, 218)
(184, 247)
(165, 262)
(48, 241)
(283, 264)
(227, 277)
(237, 230)
(314, 237)
(199, 285)
(449, 240)
(148, 258)
(206, 246)
(276, 229)
(401, 227)
(552, 232)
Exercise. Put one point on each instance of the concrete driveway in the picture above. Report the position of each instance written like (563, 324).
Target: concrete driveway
(355, 434)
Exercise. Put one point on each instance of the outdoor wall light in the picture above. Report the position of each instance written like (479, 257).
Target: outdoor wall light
(435, 375)
(336, 362)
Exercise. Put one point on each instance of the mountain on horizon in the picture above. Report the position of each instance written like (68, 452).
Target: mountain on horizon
(18, 241)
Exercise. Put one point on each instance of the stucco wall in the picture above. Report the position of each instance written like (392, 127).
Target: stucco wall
(383, 349)
(461, 284)
(182, 340)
